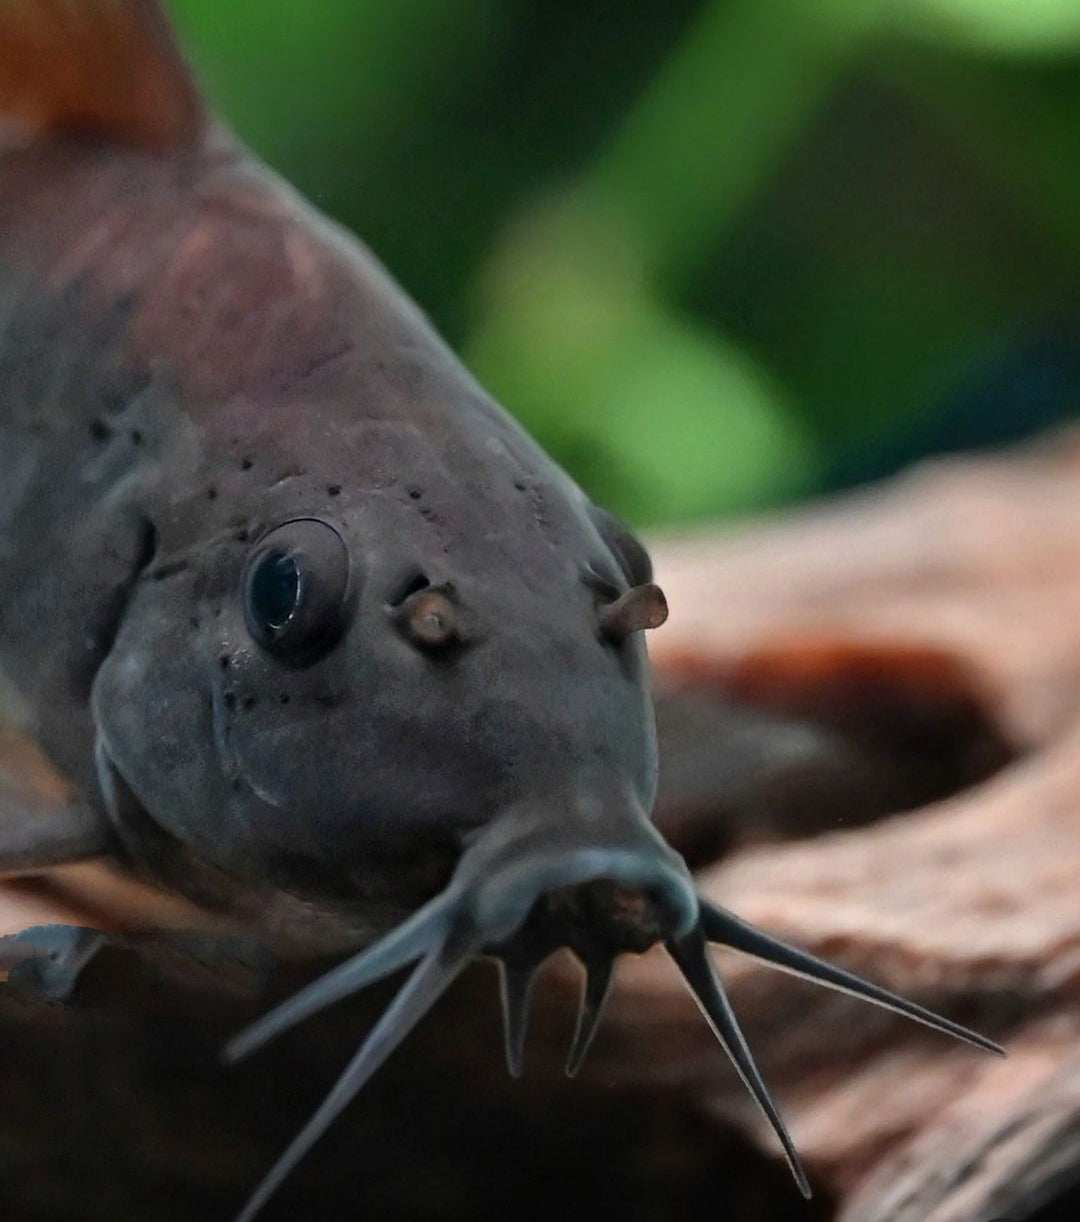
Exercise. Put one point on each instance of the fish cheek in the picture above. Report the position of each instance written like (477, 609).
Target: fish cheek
(298, 744)
(154, 716)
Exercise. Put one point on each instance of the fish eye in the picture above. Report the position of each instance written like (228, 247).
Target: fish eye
(274, 592)
(296, 591)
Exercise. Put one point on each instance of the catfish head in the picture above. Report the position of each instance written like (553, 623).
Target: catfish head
(416, 686)
(407, 642)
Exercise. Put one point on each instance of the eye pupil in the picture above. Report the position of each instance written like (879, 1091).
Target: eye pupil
(295, 590)
(274, 592)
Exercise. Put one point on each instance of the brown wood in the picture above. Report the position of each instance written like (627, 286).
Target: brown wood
(971, 904)
(916, 645)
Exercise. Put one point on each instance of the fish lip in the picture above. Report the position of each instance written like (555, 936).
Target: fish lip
(141, 841)
(131, 819)
(108, 773)
(549, 847)
(500, 906)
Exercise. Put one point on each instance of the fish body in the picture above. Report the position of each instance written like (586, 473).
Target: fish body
(315, 633)
(192, 356)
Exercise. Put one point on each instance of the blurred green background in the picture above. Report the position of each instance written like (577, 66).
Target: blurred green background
(716, 254)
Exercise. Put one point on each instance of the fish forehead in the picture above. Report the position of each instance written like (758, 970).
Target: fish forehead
(278, 344)
(230, 283)
(473, 479)
(265, 326)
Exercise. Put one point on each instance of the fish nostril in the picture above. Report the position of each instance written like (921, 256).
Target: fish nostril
(431, 619)
(412, 584)
(640, 608)
(427, 615)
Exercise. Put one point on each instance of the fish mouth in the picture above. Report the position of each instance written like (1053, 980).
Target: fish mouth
(602, 882)
(520, 892)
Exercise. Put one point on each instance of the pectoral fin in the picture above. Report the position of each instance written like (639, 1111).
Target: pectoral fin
(46, 960)
(43, 822)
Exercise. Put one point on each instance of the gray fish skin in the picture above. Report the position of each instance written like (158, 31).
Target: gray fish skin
(190, 356)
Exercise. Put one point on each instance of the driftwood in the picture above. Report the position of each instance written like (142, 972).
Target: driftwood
(912, 649)
(973, 902)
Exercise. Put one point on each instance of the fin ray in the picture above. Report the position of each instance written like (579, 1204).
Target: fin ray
(111, 67)
(43, 822)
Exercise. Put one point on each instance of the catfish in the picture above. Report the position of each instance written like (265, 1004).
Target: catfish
(313, 632)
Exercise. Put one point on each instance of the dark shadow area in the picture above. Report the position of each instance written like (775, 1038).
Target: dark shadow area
(1063, 1206)
(117, 1110)
(795, 742)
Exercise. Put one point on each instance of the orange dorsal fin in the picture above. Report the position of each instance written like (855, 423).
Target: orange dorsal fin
(110, 67)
